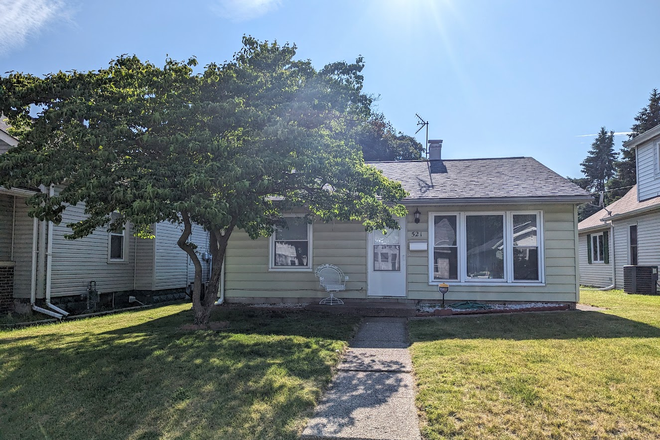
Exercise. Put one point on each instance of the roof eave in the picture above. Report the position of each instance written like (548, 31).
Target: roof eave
(647, 135)
(497, 200)
(605, 225)
(18, 192)
(634, 212)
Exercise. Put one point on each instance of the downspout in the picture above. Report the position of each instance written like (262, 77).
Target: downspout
(49, 264)
(221, 300)
(33, 281)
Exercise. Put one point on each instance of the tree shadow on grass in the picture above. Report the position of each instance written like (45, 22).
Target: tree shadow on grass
(563, 325)
(152, 380)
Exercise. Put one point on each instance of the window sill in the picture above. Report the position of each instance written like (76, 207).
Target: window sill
(494, 283)
(117, 261)
(289, 269)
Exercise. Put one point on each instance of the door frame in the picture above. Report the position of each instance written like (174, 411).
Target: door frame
(403, 261)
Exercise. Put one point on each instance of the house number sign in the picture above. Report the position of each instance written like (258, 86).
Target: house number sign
(416, 234)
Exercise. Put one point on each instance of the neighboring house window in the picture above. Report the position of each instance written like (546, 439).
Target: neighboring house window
(291, 246)
(598, 248)
(489, 247)
(116, 244)
(633, 245)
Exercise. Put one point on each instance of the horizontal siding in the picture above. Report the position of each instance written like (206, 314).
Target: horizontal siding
(6, 226)
(171, 260)
(648, 178)
(23, 251)
(560, 265)
(344, 244)
(341, 244)
(595, 274)
(144, 263)
(77, 262)
(648, 238)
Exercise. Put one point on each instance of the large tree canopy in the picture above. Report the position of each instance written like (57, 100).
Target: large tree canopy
(233, 147)
(380, 141)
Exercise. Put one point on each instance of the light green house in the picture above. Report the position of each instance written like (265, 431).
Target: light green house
(498, 230)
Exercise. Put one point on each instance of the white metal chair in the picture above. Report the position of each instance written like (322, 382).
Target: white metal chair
(332, 279)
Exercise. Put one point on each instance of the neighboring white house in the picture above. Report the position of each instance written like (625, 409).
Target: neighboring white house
(500, 230)
(38, 266)
(627, 232)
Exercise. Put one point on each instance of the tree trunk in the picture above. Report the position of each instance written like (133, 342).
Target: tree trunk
(202, 307)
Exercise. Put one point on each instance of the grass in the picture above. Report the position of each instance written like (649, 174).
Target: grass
(138, 376)
(559, 375)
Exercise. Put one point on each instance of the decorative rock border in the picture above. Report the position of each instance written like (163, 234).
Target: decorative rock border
(518, 309)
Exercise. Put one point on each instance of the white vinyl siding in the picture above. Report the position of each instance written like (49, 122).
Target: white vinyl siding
(144, 263)
(648, 243)
(247, 265)
(596, 275)
(22, 250)
(77, 262)
(648, 171)
(172, 270)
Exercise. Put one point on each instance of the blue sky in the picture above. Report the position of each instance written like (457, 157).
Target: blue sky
(494, 78)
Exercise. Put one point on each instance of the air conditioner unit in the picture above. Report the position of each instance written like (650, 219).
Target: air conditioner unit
(640, 279)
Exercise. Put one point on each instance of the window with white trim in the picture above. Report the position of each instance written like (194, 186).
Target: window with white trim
(491, 247)
(116, 243)
(291, 246)
(597, 248)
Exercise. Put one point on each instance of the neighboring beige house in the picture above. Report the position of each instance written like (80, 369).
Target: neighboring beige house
(40, 269)
(627, 232)
(499, 230)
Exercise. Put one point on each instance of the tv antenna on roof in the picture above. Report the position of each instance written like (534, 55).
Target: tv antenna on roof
(421, 124)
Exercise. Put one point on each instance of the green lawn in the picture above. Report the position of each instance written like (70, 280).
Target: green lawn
(137, 375)
(565, 375)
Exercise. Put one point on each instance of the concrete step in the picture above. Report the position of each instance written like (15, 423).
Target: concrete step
(368, 309)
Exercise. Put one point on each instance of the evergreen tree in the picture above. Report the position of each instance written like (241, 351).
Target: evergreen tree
(647, 118)
(598, 167)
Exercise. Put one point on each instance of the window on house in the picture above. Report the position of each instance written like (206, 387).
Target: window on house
(445, 247)
(116, 243)
(492, 247)
(291, 245)
(633, 245)
(485, 246)
(597, 248)
(525, 247)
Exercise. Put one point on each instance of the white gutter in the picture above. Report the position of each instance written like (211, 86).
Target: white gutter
(221, 300)
(49, 264)
(498, 200)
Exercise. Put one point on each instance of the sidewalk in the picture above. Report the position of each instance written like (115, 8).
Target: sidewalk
(372, 397)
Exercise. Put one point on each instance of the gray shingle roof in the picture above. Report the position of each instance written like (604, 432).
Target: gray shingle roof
(625, 206)
(512, 177)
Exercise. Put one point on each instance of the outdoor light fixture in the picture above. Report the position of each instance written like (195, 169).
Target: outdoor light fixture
(417, 215)
(443, 289)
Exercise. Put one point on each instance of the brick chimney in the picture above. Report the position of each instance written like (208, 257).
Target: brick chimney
(435, 156)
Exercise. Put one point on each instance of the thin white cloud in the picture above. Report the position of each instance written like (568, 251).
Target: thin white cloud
(243, 10)
(21, 20)
(616, 133)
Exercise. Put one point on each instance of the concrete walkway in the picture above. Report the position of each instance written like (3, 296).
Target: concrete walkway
(372, 397)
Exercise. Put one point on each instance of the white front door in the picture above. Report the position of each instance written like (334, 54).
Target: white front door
(386, 262)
